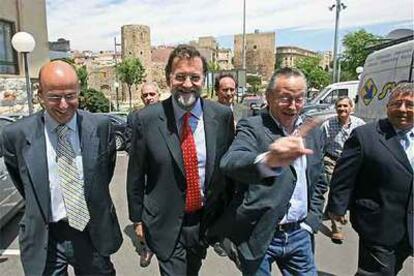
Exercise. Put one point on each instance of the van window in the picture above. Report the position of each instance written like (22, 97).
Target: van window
(334, 95)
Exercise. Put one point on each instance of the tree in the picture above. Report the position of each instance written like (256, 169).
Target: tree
(131, 72)
(316, 76)
(83, 76)
(355, 51)
(255, 83)
(213, 66)
(94, 101)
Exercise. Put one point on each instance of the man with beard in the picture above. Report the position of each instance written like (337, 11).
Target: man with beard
(373, 178)
(174, 186)
(336, 131)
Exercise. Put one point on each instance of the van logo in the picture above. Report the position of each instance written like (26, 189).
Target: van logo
(368, 91)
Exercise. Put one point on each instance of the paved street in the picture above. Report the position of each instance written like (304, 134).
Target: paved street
(331, 259)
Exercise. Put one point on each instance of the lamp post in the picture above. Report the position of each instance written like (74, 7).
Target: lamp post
(24, 43)
(116, 85)
(338, 8)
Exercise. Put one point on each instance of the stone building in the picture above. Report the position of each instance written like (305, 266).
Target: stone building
(260, 53)
(16, 16)
(288, 56)
(136, 42)
(225, 59)
(207, 46)
(59, 49)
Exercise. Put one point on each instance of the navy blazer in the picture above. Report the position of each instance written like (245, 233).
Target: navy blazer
(374, 180)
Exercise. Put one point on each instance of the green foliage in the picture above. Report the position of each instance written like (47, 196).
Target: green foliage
(255, 83)
(131, 72)
(316, 76)
(355, 52)
(93, 101)
(213, 66)
(82, 76)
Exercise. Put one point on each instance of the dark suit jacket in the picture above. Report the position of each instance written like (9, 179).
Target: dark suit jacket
(374, 179)
(260, 203)
(24, 147)
(156, 181)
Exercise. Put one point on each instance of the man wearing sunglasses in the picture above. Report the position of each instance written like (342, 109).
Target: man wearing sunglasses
(62, 160)
(174, 186)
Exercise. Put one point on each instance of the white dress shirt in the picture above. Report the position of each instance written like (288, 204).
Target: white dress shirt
(58, 210)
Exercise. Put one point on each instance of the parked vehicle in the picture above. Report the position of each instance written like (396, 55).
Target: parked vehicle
(332, 92)
(383, 70)
(10, 199)
(119, 123)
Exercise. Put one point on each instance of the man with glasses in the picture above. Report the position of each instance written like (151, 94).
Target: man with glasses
(61, 160)
(373, 178)
(276, 162)
(174, 186)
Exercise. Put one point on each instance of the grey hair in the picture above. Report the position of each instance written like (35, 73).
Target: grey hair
(404, 88)
(150, 83)
(286, 73)
(351, 102)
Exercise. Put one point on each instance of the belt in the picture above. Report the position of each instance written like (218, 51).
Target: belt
(334, 158)
(288, 227)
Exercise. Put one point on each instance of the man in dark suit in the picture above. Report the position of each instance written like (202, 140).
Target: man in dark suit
(280, 185)
(61, 160)
(279, 196)
(373, 178)
(175, 189)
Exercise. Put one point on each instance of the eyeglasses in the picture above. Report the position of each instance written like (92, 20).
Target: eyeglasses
(194, 78)
(409, 105)
(289, 100)
(58, 98)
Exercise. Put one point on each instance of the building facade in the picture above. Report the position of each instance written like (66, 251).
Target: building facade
(288, 56)
(16, 16)
(260, 53)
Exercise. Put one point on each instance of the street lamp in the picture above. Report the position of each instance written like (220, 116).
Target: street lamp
(338, 7)
(116, 85)
(24, 43)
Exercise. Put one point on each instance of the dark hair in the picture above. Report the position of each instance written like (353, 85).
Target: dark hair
(183, 51)
(222, 76)
(284, 72)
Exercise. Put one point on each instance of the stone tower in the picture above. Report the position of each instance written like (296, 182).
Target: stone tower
(136, 42)
(260, 53)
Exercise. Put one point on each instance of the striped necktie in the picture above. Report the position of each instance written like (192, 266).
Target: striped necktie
(70, 182)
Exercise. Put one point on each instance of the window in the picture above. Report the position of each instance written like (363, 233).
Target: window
(8, 57)
(334, 95)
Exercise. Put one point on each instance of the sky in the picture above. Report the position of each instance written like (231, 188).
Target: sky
(93, 24)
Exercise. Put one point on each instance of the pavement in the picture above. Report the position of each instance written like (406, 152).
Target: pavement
(331, 259)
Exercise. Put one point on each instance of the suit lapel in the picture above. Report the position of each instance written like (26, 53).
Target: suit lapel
(35, 156)
(210, 130)
(168, 129)
(89, 147)
(391, 141)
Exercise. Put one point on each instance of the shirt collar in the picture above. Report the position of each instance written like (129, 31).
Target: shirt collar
(298, 122)
(197, 110)
(51, 123)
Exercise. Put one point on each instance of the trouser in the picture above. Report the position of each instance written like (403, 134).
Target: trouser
(329, 166)
(68, 246)
(187, 256)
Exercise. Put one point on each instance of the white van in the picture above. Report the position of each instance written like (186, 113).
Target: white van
(332, 92)
(383, 70)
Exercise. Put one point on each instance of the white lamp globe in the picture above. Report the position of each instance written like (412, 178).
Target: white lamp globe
(23, 42)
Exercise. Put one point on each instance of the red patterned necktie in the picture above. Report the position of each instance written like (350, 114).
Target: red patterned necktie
(188, 148)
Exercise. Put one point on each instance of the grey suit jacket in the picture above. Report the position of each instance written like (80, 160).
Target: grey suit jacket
(374, 180)
(156, 182)
(260, 203)
(24, 148)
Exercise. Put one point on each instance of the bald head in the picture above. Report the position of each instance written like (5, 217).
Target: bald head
(149, 93)
(58, 73)
(58, 90)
